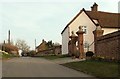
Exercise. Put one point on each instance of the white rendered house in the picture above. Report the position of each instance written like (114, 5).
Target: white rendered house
(89, 20)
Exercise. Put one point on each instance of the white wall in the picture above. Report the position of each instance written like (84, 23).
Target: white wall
(83, 20)
(65, 40)
(20, 52)
(109, 30)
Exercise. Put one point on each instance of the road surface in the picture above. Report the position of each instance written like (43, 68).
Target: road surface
(36, 67)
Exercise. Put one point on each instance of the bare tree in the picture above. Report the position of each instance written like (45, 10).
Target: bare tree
(22, 45)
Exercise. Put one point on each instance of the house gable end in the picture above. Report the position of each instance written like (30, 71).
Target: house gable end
(83, 10)
(72, 20)
(82, 20)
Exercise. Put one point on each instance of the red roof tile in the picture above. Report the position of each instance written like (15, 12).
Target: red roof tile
(106, 19)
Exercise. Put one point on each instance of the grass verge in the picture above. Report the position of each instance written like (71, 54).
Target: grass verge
(7, 56)
(98, 69)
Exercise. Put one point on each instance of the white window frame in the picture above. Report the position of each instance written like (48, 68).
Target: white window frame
(84, 28)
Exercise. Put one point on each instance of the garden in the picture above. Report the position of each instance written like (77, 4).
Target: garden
(96, 66)
(5, 55)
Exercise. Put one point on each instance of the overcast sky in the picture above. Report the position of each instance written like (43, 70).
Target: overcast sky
(43, 19)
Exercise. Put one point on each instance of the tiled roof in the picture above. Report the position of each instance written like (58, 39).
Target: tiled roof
(106, 19)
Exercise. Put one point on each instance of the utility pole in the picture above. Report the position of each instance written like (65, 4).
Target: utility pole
(9, 37)
(35, 45)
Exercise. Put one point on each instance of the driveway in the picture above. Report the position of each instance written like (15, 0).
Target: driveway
(37, 67)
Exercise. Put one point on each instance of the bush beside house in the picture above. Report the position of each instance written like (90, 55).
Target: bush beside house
(89, 54)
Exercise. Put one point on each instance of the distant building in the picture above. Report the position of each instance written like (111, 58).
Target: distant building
(10, 49)
(46, 48)
(89, 21)
(42, 46)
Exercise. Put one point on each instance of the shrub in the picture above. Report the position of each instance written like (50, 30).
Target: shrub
(89, 54)
(31, 53)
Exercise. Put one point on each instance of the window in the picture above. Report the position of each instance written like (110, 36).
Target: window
(86, 45)
(84, 28)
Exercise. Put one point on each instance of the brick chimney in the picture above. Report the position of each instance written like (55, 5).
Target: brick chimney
(43, 40)
(94, 7)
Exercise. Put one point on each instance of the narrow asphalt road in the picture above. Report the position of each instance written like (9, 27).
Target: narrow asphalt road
(36, 67)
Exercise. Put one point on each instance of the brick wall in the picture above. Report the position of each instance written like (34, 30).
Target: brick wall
(108, 45)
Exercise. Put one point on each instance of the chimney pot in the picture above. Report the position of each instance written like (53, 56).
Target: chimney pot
(94, 7)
